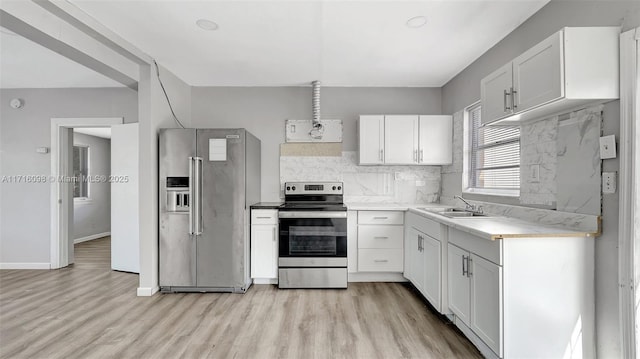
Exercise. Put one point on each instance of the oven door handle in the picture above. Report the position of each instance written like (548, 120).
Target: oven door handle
(312, 214)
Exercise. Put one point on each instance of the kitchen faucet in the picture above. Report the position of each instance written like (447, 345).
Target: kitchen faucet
(469, 206)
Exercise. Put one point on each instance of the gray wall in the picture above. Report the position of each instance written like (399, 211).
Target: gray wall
(93, 216)
(464, 89)
(21, 132)
(263, 111)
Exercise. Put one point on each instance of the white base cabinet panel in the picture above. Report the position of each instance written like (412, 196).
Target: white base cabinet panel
(514, 294)
(423, 265)
(264, 246)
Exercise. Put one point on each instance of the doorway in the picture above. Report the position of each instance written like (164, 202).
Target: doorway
(67, 188)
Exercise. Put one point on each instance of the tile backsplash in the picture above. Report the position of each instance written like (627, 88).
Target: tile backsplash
(375, 184)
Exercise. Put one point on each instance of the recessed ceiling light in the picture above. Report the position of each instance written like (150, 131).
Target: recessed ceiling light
(417, 21)
(208, 25)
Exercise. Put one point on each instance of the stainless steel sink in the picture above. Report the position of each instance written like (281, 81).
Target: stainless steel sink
(453, 212)
(461, 214)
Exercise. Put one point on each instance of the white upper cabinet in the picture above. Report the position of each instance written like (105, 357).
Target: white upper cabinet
(537, 74)
(401, 139)
(371, 139)
(573, 67)
(494, 92)
(405, 139)
(436, 140)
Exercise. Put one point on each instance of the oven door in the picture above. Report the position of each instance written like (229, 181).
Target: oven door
(313, 234)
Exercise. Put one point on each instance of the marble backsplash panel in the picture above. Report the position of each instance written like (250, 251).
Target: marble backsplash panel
(375, 184)
(579, 165)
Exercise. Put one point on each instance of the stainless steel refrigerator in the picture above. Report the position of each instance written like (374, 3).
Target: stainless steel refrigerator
(208, 180)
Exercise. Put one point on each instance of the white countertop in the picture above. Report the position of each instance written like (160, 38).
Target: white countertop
(490, 227)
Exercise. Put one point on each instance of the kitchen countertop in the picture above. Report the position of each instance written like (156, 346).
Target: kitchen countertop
(266, 205)
(489, 227)
(497, 227)
(387, 206)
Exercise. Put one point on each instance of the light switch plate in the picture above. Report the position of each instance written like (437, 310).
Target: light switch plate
(607, 147)
(609, 182)
(534, 176)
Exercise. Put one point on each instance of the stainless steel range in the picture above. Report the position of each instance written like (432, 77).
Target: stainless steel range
(313, 236)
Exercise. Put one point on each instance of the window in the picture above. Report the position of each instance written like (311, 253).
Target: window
(80, 171)
(494, 156)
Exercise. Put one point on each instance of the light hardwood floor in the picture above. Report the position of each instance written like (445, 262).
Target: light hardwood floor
(89, 311)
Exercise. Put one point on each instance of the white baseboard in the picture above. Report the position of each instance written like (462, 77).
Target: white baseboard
(147, 291)
(91, 237)
(376, 277)
(25, 265)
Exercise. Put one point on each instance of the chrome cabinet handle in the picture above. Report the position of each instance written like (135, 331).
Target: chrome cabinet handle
(421, 155)
(415, 155)
(264, 217)
(381, 154)
(381, 237)
(506, 108)
(469, 261)
(380, 260)
(513, 98)
(464, 268)
(380, 217)
(274, 234)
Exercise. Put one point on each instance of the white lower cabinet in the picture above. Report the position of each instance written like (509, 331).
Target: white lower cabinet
(380, 244)
(423, 258)
(475, 295)
(264, 246)
(486, 301)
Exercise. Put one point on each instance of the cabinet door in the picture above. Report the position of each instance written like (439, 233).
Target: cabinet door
(431, 264)
(435, 140)
(410, 246)
(494, 93)
(414, 265)
(371, 140)
(458, 283)
(401, 139)
(538, 74)
(486, 302)
(264, 251)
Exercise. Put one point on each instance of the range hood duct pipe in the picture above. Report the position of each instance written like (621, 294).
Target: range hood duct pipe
(316, 103)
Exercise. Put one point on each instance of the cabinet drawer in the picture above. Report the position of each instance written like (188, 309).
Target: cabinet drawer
(380, 260)
(490, 250)
(264, 216)
(372, 236)
(380, 217)
(428, 227)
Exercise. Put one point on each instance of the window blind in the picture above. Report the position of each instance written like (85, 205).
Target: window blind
(495, 154)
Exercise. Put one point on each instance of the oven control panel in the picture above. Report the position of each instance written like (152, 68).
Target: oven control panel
(311, 188)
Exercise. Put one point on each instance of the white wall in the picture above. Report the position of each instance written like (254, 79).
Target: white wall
(154, 113)
(263, 111)
(93, 216)
(464, 89)
(25, 221)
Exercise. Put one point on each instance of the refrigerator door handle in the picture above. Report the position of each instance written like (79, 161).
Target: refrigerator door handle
(198, 196)
(191, 197)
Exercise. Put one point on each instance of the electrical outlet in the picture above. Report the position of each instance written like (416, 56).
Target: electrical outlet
(609, 182)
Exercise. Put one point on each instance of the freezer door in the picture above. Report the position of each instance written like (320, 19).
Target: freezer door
(221, 246)
(177, 248)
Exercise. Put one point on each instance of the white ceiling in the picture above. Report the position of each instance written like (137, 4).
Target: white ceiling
(104, 132)
(340, 43)
(25, 64)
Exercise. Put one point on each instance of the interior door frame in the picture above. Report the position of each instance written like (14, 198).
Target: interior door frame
(629, 203)
(59, 200)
